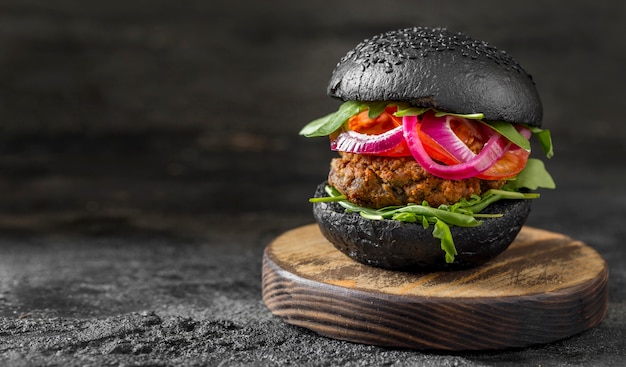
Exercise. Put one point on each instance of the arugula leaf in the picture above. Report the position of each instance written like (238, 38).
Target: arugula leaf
(442, 213)
(471, 116)
(326, 125)
(314, 126)
(375, 109)
(442, 232)
(407, 110)
(493, 195)
(533, 176)
(510, 132)
(545, 140)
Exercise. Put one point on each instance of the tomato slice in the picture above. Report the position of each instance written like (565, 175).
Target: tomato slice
(512, 163)
(363, 124)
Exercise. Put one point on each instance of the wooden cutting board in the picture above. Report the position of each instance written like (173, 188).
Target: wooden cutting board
(545, 287)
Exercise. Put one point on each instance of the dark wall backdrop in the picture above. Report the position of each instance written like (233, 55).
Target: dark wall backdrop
(115, 110)
(178, 120)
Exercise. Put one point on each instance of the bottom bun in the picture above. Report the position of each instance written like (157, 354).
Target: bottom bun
(396, 245)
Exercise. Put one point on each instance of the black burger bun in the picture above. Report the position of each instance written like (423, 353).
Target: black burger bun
(405, 246)
(433, 67)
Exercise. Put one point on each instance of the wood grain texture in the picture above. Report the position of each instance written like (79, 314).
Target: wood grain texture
(545, 287)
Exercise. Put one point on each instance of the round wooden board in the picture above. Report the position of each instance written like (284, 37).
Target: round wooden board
(545, 287)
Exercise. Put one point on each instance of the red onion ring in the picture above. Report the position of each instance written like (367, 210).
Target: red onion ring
(353, 142)
(492, 151)
(440, 130)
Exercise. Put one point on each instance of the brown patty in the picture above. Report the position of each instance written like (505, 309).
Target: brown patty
(376, 182)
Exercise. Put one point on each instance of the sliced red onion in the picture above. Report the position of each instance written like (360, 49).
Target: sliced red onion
(440, 130)
(492, 151)
(353, 142)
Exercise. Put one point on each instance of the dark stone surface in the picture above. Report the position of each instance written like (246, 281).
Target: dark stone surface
(149, 152)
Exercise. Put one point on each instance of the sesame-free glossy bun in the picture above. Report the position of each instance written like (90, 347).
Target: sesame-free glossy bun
(433, 67)
(396, 245)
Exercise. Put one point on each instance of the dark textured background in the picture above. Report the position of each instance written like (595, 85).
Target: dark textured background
(149, 152)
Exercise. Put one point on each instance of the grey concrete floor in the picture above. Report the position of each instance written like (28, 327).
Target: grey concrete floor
(149, 152)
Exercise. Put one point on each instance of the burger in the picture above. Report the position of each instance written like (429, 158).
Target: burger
(433, 140)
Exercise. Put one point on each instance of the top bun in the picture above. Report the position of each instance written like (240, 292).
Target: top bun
(433, 67)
